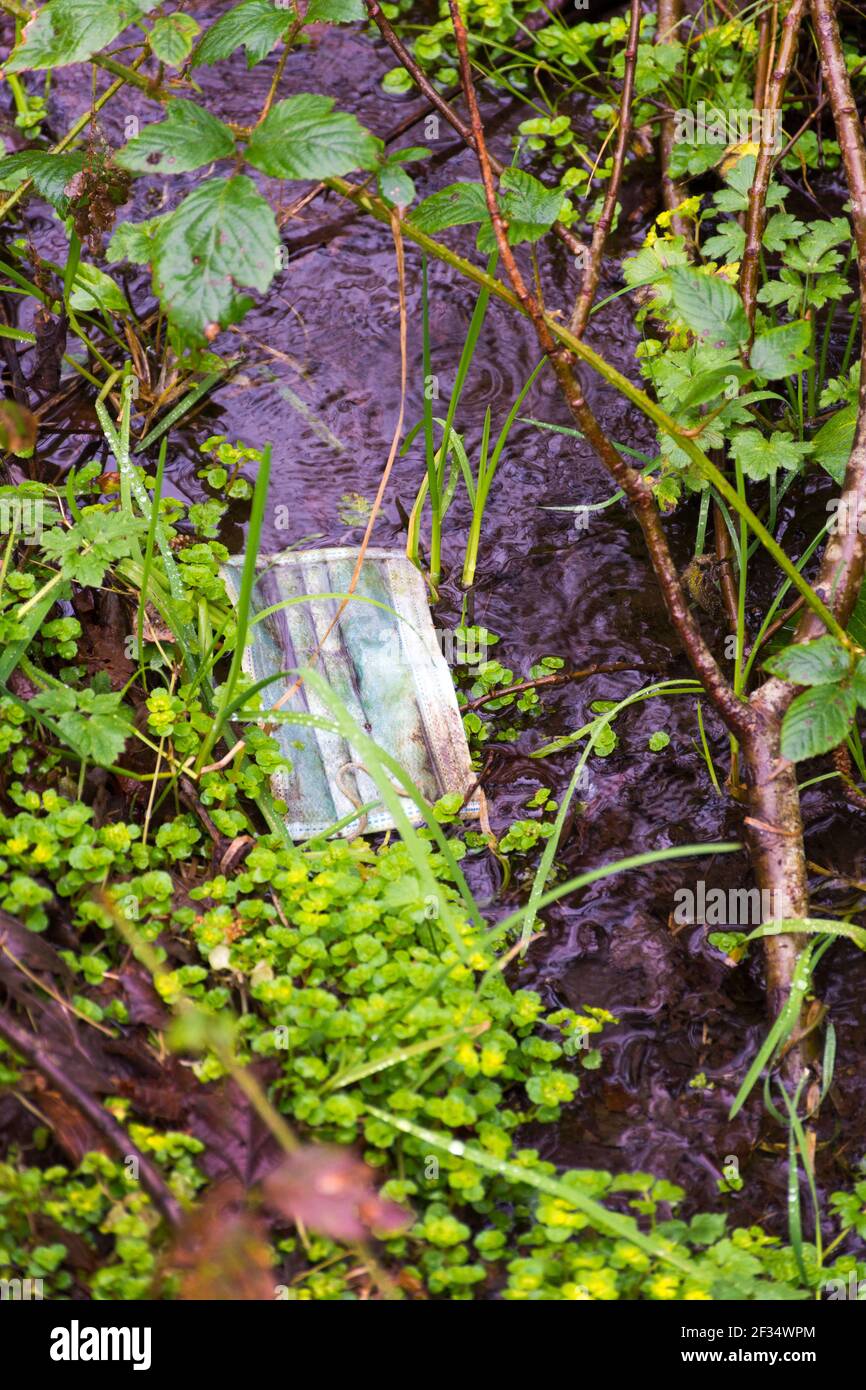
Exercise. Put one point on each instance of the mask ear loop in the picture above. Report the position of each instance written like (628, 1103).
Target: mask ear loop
(353, 795)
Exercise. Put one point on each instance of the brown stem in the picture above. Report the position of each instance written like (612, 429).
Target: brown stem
(756, 215)
(670, 13)
(422, 82)
(592, 268)
(840, 577)
(39, 1056)
(559, 678)
(775, 831)
(735, 713)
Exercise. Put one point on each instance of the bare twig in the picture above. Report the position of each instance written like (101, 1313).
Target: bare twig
(670, 14)
(735, 713)
(37, 1053)
(399, 49)
(756, 215)
(592, 268)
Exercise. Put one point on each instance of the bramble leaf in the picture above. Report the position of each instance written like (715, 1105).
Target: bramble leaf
(458, 205)
(69, 31)
(709, 306)
(50, 173)
(335, 11)
(810, 663)
(222, 236)
(835, 440)
(188, 138)
(781, 351)
(257, 26)
(817, 721)
(172, 38)
(133, 242)
(303, 138)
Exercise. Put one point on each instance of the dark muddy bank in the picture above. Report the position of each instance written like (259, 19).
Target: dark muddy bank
(321, 380)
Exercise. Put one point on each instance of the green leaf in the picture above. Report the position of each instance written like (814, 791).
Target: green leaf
(458, 205)
(335, 11)
(781, 228)
(857, 621)
(835, 440)
(133, 242)
(781, 352)
(810, 663)
(759, 457)
(858, 682)
(69, 31)
(395, 186)
(257, 26)
(813, 254)
(172, 38)
(728, 243)
(51, 173)
(222, 236)
(96, 726)
(705, 386)
(530, 207)
(94, 290)
(709, 306)
(188, 138)
(303, 138)
(86, 550)
(817, 721)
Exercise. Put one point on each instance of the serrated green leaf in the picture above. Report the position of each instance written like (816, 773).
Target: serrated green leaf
(727, 244)
(69, 31)
(86, 550)
(835, 440)
(93, 290)
(760, 457)
(221, 237)
(709, 306)
(303, 138)
(857, 621)
(96, 726)
(781, 352)
(188, 138)
(256, 26)
(781, 228)
(810, 663)
(51, 173)
(335, 11)
(172, 38)
(458, 205)
(858, 682)
(395, 186)
(133, 242)
(817, 721)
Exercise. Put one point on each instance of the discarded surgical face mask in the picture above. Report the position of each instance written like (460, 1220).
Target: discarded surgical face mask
(384, 664)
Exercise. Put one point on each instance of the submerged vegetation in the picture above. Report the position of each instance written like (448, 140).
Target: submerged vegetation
(238, 1067)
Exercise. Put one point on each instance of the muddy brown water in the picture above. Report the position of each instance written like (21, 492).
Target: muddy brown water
(321, 381)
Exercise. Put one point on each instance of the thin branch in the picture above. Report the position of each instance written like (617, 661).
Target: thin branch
(35, 1051)
(592, 268)
(424, 85)
(735, 713)
(670, 13)
(756, 215)
(840, 577)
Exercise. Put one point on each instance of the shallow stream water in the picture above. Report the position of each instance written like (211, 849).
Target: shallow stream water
(322, 382)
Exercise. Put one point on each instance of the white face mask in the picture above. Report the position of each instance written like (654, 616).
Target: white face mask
(383, 661)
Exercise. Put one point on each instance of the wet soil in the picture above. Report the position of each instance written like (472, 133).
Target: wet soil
(321, 380)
